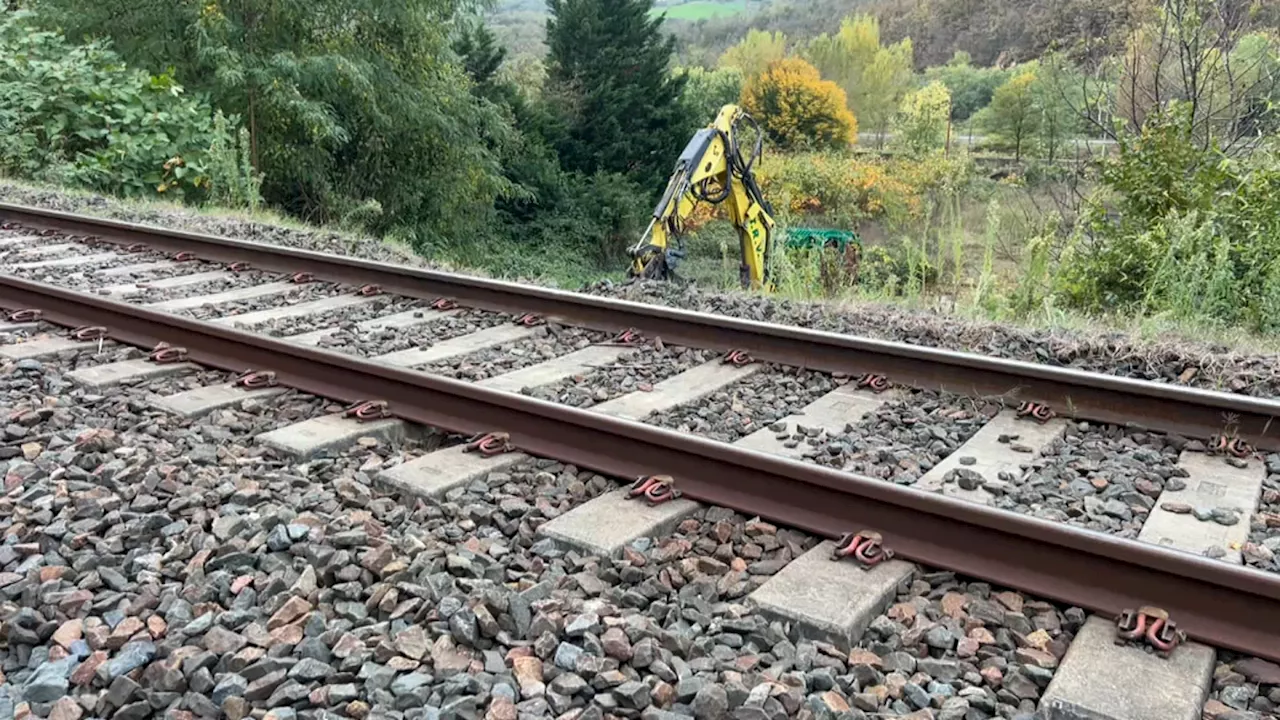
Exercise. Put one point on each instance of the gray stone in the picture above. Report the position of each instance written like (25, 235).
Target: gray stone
(228, 686)
(131, 657)
(710, 702)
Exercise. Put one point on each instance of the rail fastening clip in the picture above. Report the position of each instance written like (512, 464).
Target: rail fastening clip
(24, 315)
(1227, 445)
(630, 336)
(89, 332)
(184, 256)
(164, 354)
(135, 248)
(238, 266)
(369, 290)
(530, 320)
(367, 410)
(490, 444)
(656, 489)
(874, 383)
(865, 546)
(255, 379)
(1039, 412)
(1150, 625)
(737, 357)
(301, 278)
(443, 304)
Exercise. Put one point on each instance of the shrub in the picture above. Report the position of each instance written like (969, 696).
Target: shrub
(798, 109)
(842, 188)
(1182, 230)
(75, 114)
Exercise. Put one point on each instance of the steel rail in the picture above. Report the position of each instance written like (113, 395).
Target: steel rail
(1163, 407)
(1225, 605)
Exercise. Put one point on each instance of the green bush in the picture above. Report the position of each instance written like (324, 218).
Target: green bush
(76, 115)
(1181, 230)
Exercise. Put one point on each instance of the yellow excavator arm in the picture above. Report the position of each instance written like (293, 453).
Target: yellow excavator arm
(712, 169)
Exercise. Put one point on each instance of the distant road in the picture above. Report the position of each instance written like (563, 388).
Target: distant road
(869, 139)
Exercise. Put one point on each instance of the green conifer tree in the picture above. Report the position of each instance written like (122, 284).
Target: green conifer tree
(619, 106)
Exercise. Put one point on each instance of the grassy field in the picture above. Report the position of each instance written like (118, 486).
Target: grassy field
(694, 10)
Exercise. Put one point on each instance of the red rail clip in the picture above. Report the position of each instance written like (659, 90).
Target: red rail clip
(1224, 445)
(301, 278)
(874, 383)
(654, 488)
(530, 319)
(24, 316)
(367, 410)
(1150, 625)
(369, 290)
(866, 546)
(135, 247)
(184, 256)
(89, 332)
(630, 336)
(164, 353)
(1041, 413)
(239, 266)
(737, 357)
(443, 304)
(254, 379)
(490, 444)
(9, 226)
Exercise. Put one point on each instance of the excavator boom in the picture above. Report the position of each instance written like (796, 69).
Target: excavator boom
(712, 168)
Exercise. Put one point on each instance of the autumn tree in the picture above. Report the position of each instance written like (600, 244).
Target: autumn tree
(1013, 118)
(755, 52)
(875, 78)
(798, 109)
(923, 118)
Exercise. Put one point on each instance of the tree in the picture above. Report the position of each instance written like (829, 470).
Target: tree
(1200, 53)
(353, 106)
(798, 109)
(971, 87)
(923, 118)
(1056, 92)
(1013, 117)
(755, 52)
(706, 91)
(479, 51)
(607, 70)
(874, 78)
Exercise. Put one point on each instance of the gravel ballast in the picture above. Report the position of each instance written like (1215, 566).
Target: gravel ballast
(744, 407)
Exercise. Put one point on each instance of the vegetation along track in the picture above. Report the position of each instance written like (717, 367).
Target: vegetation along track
(1226, 605)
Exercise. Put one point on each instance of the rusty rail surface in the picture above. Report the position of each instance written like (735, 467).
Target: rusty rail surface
(1071, 393)
(1225, 605)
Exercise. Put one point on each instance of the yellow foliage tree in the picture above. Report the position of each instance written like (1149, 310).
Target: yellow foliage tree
(798, 109)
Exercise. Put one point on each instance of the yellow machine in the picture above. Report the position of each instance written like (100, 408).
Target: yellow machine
(712, 169)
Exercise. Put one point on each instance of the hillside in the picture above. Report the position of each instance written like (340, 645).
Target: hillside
(989, 30)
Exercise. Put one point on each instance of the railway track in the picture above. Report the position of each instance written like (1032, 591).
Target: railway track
(306, 334)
